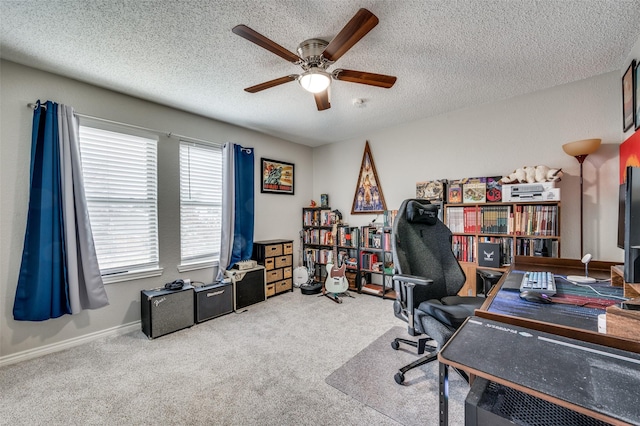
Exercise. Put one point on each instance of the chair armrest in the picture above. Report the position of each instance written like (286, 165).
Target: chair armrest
(412, 279)
(408, 283)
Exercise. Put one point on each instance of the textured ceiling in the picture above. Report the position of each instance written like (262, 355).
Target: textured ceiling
(447, 55)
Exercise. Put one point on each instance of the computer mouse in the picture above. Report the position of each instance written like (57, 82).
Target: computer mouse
(533, 296)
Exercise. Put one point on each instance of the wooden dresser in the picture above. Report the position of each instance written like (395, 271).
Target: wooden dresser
(277, 258)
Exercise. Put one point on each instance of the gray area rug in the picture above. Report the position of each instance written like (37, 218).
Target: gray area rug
(368, 378)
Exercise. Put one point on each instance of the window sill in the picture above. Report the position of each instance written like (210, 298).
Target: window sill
(185, 267)
(132, 275)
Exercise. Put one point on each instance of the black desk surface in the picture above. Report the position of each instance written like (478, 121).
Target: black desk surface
(597, 378)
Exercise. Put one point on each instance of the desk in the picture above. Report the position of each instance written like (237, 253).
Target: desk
(589, 356)
(595, 380)
(555, 318)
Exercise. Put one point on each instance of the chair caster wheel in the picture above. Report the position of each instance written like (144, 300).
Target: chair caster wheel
(395, 345)
(399, 377)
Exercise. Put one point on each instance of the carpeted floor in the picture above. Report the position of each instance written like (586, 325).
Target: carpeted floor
(368, 377)
(265, 366)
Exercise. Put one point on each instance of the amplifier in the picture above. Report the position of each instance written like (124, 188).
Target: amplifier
(213, 300)
(165, 311)
(248, 286)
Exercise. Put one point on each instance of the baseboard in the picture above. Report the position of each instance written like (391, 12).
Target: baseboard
(69, 343)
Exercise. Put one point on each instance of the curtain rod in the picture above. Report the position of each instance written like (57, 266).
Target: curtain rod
(168, 134)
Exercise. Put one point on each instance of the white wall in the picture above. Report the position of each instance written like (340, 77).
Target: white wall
(492, 140)
(277, 216)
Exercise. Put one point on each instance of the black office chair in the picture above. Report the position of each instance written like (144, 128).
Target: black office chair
(489, 278)
(427, 280)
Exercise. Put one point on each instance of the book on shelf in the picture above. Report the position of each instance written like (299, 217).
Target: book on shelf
(376, 241)
(344, 236)
(495, 219)
(318, 255)
(463, 248)
(543, 247)
(494, 189)
(367, 260)
(326, 217)
(389, 217)
(454, 192)
(474, 190)
(434, 190)
(462, 219)
(311, 217)
(376, 289)
(536, 220)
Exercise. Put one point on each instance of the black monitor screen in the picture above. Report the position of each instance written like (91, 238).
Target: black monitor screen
(622, 193)
(632, 226)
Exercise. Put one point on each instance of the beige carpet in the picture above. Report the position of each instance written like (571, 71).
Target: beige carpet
(265, 366)
(368, 377)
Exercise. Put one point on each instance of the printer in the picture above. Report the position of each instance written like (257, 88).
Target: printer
(539, 191)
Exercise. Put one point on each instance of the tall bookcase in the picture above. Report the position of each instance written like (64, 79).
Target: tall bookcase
(317, 242)
(375, 261)
(521, 228)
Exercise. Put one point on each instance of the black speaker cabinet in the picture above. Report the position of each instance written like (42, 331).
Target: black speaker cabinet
(248, 286)
(165, 311)
(213, 300)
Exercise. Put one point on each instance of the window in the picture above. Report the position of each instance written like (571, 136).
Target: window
(200, 202)
(121, 189)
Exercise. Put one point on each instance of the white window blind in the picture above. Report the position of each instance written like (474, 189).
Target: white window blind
(200, 202)
(120, 176)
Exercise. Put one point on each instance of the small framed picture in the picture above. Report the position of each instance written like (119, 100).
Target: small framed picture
(277, 177)
(628, 91)
(324, 201)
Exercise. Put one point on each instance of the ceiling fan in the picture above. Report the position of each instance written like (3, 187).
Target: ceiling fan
(315, 56)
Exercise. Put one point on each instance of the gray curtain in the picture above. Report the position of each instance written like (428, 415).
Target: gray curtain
(86, 289)
(228, 208)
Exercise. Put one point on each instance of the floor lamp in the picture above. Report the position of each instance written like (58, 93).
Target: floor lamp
(581, 149)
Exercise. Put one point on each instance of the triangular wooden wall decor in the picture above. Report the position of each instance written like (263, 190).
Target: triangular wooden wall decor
(368, 197)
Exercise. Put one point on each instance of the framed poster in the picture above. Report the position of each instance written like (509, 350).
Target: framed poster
(628, 91)
(277, 177)
(368, 197)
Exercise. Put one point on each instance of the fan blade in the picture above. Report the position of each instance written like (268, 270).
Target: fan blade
(322, 100)
(271, 83)
(257, 38)
(362, 77)
(361, 23)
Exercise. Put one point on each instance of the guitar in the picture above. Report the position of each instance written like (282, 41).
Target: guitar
(336, 281)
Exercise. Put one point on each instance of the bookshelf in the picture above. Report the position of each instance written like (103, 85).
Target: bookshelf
(375, 258)
(317, 240)
(520, 228)
(348, 240)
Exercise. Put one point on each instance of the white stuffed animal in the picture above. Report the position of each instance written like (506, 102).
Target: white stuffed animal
(530, 174)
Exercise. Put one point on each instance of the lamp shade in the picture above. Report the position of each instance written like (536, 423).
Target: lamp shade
(315, 80)
(582, 147)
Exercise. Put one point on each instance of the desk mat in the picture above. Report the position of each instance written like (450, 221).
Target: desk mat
(575, 306)
(595, 377)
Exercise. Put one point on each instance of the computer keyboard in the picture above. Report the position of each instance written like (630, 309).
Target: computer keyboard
(543, 282)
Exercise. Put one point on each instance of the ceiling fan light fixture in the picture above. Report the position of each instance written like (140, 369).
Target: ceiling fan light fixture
(315, 80)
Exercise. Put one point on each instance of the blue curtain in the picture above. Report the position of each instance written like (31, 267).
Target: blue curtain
(238, 201)
(42, 291)
(59, 273)
(244, 204)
